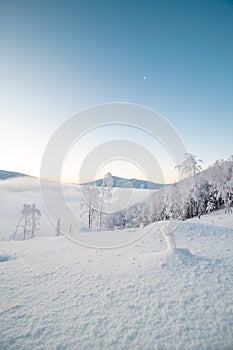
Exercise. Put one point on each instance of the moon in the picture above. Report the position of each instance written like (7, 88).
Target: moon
(144, 77)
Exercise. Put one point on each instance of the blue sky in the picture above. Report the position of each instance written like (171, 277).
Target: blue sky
(59, 57)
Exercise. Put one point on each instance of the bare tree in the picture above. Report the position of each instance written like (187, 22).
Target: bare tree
(29, 221)
(26, 219)
(89, 203)
(58, 227)
(106, 189)
(35, 220)
(70, 229)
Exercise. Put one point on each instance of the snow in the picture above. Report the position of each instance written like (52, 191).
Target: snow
(57, 294)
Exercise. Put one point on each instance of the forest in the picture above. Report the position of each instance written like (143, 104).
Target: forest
(198, 192)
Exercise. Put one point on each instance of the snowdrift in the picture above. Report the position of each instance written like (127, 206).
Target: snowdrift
(59, 295)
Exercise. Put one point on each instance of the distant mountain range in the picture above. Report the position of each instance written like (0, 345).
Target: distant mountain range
(117, 181)
(4, 175)
(129, 183)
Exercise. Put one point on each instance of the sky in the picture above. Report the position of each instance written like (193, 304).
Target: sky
(60, 57)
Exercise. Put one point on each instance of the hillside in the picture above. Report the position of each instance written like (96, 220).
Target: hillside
(4, 175)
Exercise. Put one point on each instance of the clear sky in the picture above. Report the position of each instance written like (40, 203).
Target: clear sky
(59, 57)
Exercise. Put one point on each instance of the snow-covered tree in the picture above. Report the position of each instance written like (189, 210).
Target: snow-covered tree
(35, 220)
(29, 222)
(200, 192)
(89, 203)
(190, 166)
(26, 219)
(106, 190)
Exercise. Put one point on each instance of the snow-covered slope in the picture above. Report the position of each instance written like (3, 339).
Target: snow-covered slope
(56, 294)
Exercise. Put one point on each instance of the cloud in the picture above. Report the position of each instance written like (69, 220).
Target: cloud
(16, 192)
(59, 201)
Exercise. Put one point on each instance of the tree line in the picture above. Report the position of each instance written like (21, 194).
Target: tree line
(199, 192)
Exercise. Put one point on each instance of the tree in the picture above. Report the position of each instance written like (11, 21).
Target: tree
(106, 189)
(58, 227)
(29, 221)
(190, 166)
(35, 217)
(70, 229)
(89, 203)
(26, 219)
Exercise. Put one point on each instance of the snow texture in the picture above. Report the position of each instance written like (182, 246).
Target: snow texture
(168, 290)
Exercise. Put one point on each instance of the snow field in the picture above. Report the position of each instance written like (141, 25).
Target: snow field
(56, 294)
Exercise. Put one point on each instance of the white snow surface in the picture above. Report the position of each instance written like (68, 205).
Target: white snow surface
(56, 294)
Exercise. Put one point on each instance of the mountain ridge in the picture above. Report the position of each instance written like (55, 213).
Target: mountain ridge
(128, 183)
(4, 174)
(117, 181)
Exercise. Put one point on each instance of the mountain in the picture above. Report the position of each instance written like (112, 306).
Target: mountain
(117, 181)
(128, 183)
(4, 175)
